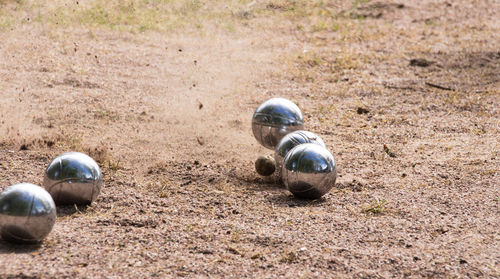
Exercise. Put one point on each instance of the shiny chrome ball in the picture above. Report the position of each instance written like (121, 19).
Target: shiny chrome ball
(309, 171)
(290, 141)
(73, 178)
(27, 213)
(275, 118)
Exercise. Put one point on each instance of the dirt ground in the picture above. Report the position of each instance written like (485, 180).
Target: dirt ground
(405, 94)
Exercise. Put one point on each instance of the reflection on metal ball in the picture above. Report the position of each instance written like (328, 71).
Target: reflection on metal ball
(73, 178)
(290, 141)
(309, 171)
(275, 118)
(27, 213)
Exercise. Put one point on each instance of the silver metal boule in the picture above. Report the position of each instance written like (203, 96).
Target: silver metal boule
(275, 118)
(309, 171)
(290, 141)
(73, 178)
(27, 213)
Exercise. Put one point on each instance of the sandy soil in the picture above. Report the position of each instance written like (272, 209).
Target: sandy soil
(406, 95)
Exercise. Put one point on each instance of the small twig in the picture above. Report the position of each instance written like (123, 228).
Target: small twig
(398, 87)
(438, 86)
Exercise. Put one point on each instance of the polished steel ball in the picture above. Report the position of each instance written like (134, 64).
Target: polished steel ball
(73, 178)
(27, 213)
(309, 171)
(275, 118)
(290, 141)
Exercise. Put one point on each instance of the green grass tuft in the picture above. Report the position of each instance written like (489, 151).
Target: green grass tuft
(377, 207)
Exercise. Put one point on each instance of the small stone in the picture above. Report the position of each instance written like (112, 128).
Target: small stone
(420, 62)
(265, 165)
(362, 110)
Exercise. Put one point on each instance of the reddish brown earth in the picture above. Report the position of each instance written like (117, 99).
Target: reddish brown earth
(406, 95)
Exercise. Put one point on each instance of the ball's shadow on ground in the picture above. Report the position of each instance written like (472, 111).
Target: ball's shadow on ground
(273, 183)
(288, 200)
(9, 248)
(20, 248)
(256, 182)
(268, 183)
(67, 210)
